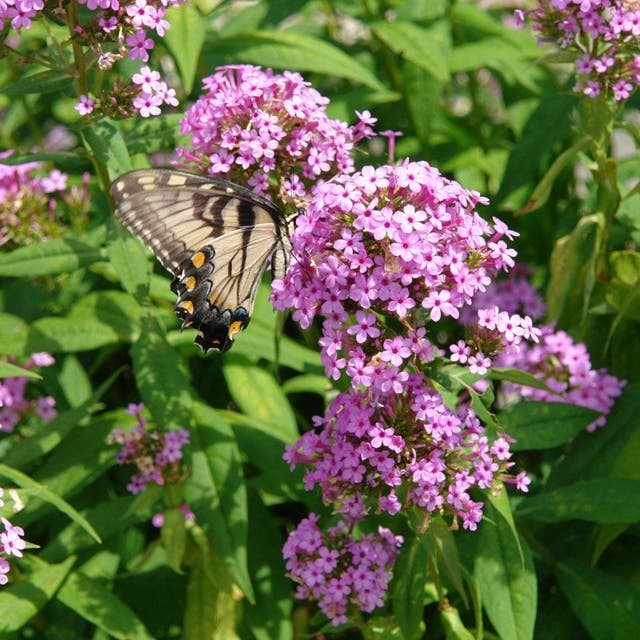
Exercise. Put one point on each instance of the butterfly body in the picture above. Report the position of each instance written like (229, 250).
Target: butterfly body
(215, 237)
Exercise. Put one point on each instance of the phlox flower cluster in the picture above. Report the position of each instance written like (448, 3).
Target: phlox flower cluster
(251, 125)
(338, 569)
(157, 456)
(12, 543)
(30, 199)
(15, 406)
(114, 29)
(384, 256)
(557, 360)
(603, 34)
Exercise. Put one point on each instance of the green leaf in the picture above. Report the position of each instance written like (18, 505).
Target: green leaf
(99, 319)
(607, 606)
(109, 518)
(41, 83)
(454, 628)
(603, 500)
(258, 395)
(442, 544)
(99, 605)
(22, 600)
(270, 617)
(42, 442)
(517, 377)
(293, 50)
(59, 255)
(508, 586)
(74, 381)
(541, 193)
(210, 610)
(573, 264)
(544, 425)
(407, 593)
(131, 263)
(216, 493)
(8, 370)
(185, 40)
(174, 537)
(425, 47)
(104, 140)
(552, 116)
(161, 377)
(150, 135)
(44, 493)
(623, 291)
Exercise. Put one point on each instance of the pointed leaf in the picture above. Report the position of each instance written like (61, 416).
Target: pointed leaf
(544, 425)
(60, 255)
(99, 605)
(603, 500)
(22, 600)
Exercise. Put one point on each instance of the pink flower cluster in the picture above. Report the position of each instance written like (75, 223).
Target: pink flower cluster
(156, 455)
(337, 569)
(11, 544)
(562, 364)
(604, 36)
(252, 125)
(385, 255)
(399, 241)
(28, 202)
(15, 406)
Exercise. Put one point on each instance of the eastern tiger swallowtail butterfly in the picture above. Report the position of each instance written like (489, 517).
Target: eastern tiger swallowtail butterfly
(216, 238)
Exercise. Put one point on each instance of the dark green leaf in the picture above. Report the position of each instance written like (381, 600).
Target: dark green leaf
(408, 596)
(161, 377)
(544, 425)
(97, 604)
(41, 82)
(608, 606)
(44, 493)
(603, 500)
(20, 601)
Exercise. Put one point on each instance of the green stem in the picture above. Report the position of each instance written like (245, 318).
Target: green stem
(80, 74)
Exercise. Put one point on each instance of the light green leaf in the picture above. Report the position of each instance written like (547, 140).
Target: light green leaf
(509, 590)
(59, 255)
(294, 50)
(422, 46)
(185, 39)
(104, 140)
(8, 370)
(174, 537)
(216, 493)
(257, 394)
(131, 263)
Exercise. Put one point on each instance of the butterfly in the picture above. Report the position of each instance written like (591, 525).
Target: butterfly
(215, 237)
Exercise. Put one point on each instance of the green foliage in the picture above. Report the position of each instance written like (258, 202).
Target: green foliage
(473, 98)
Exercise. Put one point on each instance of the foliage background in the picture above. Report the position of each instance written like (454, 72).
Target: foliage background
(475, 98)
